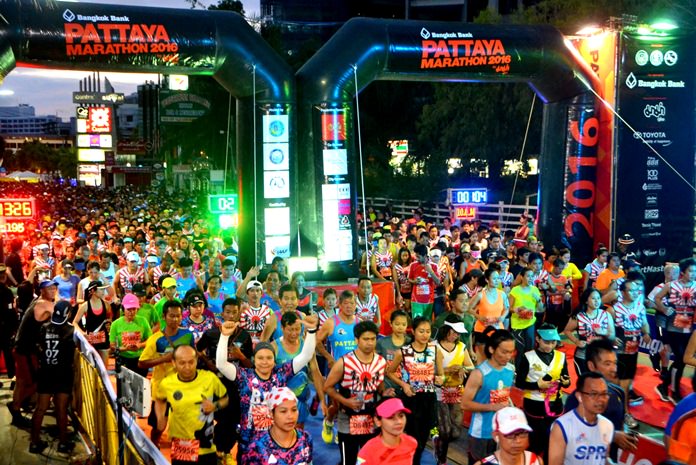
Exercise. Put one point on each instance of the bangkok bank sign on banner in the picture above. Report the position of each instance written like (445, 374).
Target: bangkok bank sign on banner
(109, 34)
(449, 50)
(656, 97)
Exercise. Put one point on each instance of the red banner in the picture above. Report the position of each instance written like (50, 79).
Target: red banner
(649, 452)
(599, 51)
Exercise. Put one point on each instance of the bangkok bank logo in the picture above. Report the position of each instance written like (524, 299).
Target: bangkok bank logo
(425, 33)
(657, 111)
(69, 16)
(631, 81)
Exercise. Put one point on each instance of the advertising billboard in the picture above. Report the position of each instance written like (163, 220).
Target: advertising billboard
(655, 167)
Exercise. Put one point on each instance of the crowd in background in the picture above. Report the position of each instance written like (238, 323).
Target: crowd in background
(244, 358)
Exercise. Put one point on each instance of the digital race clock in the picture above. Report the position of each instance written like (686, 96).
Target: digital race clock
(17, 208)
(13, 214)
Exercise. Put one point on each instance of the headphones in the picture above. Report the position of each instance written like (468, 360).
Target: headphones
(496, 439)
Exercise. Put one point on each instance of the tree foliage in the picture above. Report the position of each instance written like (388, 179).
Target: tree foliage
(41, 158)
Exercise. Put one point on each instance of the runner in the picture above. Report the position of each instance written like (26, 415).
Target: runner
(283, 443)
(488, 390)
(456, 365)
(542, 373)
(681, 295)
(158, 355)
(254, 313)
(583, 435)
(632, 328)
(129, 333)
(339, 333)
(590, 322)
(392, 446)
(93, 319)
(611, 277)
(388, 346)
(239, 349)
(55, 377)
(286, 348)
(288, 301)
(602, 359)
(421, 368)
(256, 384)
(490, 306)
(558, 297)
(511, 434)
(660, 361)
(525, 303)
(193, 396)
(403, 285)
(424, 278)
(195, 319)
(353, 382)
(680, 432)
(367, 303)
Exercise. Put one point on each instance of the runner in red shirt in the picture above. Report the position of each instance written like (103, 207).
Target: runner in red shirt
(424, 277)
(392, 446)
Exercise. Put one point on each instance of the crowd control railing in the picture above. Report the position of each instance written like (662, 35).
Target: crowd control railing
(507, 215)
(94, 405)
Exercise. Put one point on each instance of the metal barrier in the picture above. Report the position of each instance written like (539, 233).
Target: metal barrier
(95, 406)
(506, 215)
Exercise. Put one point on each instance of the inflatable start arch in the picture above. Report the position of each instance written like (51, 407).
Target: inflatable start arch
(297, 182)
(364, 50)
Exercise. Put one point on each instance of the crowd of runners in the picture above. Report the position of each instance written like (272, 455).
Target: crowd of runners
(243, 358)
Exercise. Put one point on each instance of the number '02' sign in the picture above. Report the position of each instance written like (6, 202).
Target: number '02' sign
(223, 203)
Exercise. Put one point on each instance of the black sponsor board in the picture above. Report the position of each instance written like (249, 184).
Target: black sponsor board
(656, 97)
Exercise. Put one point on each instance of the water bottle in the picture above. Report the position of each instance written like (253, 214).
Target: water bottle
(361, 398)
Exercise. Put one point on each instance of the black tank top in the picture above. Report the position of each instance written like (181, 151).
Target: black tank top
(92, 321)
(28, 332)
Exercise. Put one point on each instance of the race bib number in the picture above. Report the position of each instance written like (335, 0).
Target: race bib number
(451, 395)
(500, 396)
(525, 314)
(423, 289)
(130, 338)
(421, 372)
(96, 338)
(261, 417)
(185, 449)
(361, 424)
(556, 299)
(631, 347)
(682, 321)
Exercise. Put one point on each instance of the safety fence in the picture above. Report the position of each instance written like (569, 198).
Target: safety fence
(94, 406)
(507, 215)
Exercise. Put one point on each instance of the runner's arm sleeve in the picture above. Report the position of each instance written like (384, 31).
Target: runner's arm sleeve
(299, 362)
(229, 370)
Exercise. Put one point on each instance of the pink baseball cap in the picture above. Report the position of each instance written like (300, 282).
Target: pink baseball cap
(130, 301)
(390, 407)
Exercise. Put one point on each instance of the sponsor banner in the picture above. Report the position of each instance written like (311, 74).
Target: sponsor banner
(136, 147)
(582, 138)
(656, 97)
(276, 184)
(338, 230)
(277, 221)
(182, 107)
(275, 157)
(275, 128)
(98, 97)
(599, 51)
(463, 48)
(120, 35)
(277, 246)
(337, 202)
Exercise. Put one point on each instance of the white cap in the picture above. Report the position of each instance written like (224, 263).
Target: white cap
(510, 419)
(133, 257)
